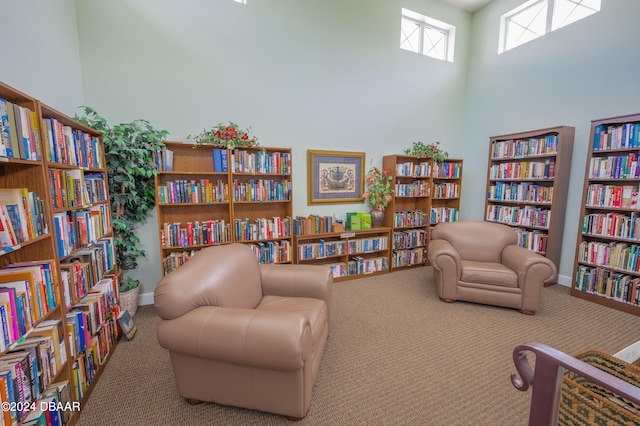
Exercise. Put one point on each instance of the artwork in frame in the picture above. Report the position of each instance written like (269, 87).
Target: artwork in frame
(335, 177)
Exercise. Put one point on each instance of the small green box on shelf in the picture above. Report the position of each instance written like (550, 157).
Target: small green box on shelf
(353, 222)
(365, 220)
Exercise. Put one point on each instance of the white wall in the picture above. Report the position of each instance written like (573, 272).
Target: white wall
(585, 71)
(303, 74)
(40, 54)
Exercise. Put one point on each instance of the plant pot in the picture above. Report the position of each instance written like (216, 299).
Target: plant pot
(377, 218)
(129, 300)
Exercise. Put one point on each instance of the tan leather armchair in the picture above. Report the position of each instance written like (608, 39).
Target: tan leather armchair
(480, 262)
(244, 334)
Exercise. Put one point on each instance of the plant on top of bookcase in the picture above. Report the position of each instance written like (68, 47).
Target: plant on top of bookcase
(130, 150)
(226, 135)
(432, 150)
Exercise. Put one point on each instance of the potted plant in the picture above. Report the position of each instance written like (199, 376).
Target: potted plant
(130, 150)
(378, 193)
(432, 150)
(225, 135)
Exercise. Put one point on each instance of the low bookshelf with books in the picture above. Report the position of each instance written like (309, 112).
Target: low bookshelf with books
(606, 269)
(209, 195)
(350, 254)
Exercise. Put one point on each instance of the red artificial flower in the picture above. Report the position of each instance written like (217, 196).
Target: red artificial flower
(245, 137)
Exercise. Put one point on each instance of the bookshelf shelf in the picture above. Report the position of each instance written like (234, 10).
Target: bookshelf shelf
(350, 254)
(606, 270)
(527, 186)
(46, 291)
(239, 174)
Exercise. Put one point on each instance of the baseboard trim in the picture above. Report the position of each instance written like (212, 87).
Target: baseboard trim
(147, 298)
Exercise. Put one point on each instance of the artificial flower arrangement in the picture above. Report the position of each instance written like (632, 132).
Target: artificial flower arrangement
(432, 150)
(379, 192)
(227, 135)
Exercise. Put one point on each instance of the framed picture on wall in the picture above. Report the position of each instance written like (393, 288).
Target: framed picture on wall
(335, 177)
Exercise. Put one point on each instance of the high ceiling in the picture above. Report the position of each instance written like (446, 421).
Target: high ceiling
(468, 5)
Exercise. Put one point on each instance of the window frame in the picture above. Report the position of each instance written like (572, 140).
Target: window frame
(506, 18)
(426, 22)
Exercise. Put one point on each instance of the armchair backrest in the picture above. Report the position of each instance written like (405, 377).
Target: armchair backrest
(476, 240)
(227, 276)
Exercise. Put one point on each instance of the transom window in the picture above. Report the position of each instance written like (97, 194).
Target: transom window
(536, 18)
(428, 36)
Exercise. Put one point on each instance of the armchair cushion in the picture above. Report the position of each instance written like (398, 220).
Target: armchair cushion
(488, 273)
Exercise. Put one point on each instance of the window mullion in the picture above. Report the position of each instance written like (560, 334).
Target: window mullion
(550, 6)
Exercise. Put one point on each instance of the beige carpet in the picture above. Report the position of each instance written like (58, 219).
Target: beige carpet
(396, 355)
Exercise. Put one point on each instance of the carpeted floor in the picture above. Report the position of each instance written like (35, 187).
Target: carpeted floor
(396, 355)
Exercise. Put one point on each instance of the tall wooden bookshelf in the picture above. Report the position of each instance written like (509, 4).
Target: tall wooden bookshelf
(606, 269)
(66, 298)
(446, 190)
(527, 186)
(244, 195)
(408, 213)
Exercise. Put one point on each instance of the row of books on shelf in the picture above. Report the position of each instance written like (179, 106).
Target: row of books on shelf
(312, 224)
(521, 192)
(193, 191)
(262, 228)
(19, 135)
(332, 248)
(613, 285)
(533, 240)
(410, 169)
(75, 188)
(220, 160)
(447, 170)
(615, 167)
(514, 148)
(623, 256)
(409, 257)
(206, 232)
(418, 188)
(617, 136)
(87, 268)
(262, 190)
(164, 159)
(358, 265)
(22, 217)
(176, 259)
(615, 196)
(27, 371)
(523, 170)
(523, 216)
(410, 218)
(71, 146)
(28, 292)
(446, 190)
(272, 251)
(443, 214)
(278, 163)
(409, 239)
(611, 224)
(75, 229)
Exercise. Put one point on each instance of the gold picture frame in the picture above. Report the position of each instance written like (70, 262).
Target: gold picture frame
(335, 177)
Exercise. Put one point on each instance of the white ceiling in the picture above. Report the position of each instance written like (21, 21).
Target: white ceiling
(468, 5)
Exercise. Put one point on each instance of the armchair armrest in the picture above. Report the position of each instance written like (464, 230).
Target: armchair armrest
(525, 263)
(313, 281)
(445, 258)
(263, 339)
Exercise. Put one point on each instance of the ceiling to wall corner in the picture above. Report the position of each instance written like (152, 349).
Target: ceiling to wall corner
(468, 5)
